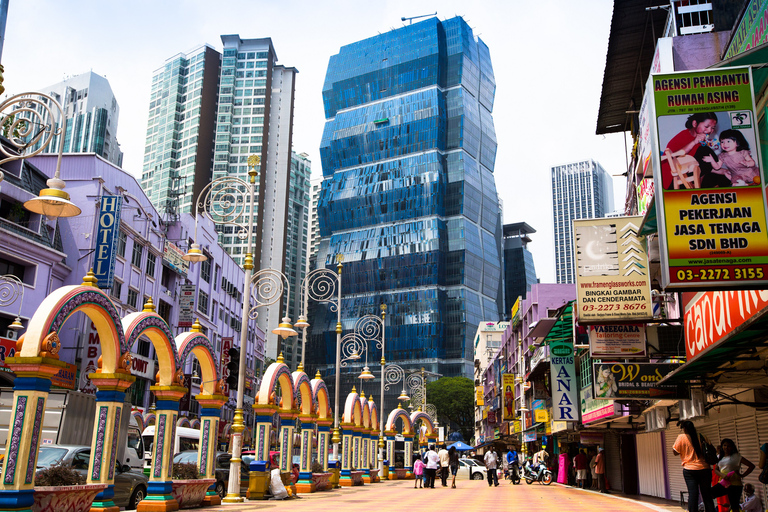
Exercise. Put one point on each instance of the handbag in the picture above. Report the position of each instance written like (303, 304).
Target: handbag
(708, 451)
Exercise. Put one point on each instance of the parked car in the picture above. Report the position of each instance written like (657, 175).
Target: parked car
(130, 485)
(222, 470)
(475, 470)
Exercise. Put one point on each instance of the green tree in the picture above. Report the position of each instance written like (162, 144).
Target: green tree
(454, 399)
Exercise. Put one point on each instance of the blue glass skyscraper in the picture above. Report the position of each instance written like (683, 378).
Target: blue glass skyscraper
(408, 196)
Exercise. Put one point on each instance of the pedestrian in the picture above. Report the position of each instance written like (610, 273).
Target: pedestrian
(443, 455)
(729, 469)
(580, 463)
(600, 470)
(512, 463)
(491, 464)
(751, 502)
(418, 471)
(433, 462)
(592, 462)
(453, 463)
(696, 471)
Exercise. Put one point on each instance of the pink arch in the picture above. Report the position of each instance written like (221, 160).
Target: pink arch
(353, 413)
(419, 415)
(320, 397)
(366, 413)
(154, 327)
(374, 414)
(302, 388)
(198, 344)
(277, 372)
(399, 413)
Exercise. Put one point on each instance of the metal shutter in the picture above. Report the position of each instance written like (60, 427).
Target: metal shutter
(749, 446)
(674, 468)
(613, 460)
(650, 464)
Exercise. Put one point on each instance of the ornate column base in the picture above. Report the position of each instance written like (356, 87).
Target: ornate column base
(211, 499)
(345, 480)
(17, 501)
(305, 486)
(159, 498)
(103, 501)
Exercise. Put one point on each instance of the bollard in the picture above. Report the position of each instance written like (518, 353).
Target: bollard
(385, 471)
(258, 480)
(335, 469)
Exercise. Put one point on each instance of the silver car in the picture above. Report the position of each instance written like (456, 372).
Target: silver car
(130, 486)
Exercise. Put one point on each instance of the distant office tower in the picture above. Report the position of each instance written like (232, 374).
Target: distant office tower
(297, 245)
(519, 272)
(581, 190)
(91, 112)
(408, 196)
(255, 117)
(182, 117)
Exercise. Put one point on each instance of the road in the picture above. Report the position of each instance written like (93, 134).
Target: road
(400, 496)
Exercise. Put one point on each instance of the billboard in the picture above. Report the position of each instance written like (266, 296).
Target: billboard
(635, 381)
(617, 341)
(750, 33)
(187, 305)
(564, 391)
(106, 240)
(508, 390)
(593, 410)
(173, 258)
(612, 278)
(708, 180)
(479, 396)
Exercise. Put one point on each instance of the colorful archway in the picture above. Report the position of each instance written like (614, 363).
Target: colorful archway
(390, 433)
(150, 324)
(303, 398)
(324, 419)
(196, 343)
(417, 416)
(267, 402)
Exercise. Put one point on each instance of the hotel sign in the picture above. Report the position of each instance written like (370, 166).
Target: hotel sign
(106, 240)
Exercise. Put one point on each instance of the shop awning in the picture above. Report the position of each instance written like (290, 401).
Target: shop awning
(737, 359)
(563, 328)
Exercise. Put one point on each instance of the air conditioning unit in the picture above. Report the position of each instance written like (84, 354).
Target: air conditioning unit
(666, 339)
(12, 334)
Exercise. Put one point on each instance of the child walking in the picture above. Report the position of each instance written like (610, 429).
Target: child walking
(418, 471)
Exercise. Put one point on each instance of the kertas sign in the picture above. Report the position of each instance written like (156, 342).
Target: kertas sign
(565, 405)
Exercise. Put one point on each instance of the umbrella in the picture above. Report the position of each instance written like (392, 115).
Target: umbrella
(461, 447)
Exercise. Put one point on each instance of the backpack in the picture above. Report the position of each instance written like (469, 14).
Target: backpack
(708, 451)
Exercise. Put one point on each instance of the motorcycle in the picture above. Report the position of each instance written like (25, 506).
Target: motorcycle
(531, 474)
(514, 473)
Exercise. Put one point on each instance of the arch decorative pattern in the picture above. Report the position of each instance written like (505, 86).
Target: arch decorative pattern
(153, 326)
(195, 423)
(365, 412)
(198, 344)
(373, 412)
(63, 303)
(149, 419)
(419, 415)
(321, 399)
(139, 419)
(399, 413)
(353, 412)
(183, 422)
(277, 372)
(303, 392)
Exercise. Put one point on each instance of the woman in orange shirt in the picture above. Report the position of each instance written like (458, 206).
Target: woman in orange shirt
(696, 472)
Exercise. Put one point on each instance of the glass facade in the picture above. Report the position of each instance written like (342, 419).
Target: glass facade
(408, 197)
(581, 190)
(519, 270)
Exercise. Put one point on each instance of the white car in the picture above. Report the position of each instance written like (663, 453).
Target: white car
(473, 469)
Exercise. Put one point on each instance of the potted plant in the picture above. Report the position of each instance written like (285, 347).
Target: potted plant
(188, 488)
(374, 473)
(60, 488)
(356, 475)
(400, 470)
(320, 478)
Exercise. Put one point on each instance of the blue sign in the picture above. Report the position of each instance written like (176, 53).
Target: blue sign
(106, 240)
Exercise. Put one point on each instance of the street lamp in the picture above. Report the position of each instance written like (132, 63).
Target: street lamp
(353, 344)
(226, 201)
(11, 288)
(26, 120)
(391, 374)
(324, 286)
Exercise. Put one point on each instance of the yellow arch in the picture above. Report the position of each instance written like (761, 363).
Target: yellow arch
(198, 344)
(303, 388)
(152, 325)
(277, 373)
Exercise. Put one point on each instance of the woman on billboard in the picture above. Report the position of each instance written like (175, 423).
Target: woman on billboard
(696, 140)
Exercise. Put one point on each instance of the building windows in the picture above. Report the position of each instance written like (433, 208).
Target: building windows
(202, 302)
(138, 249)
(205, 270)
(12, 268)
(121, 239)
(164, 310)
(133, 298)
(117, 289)
(151, 261)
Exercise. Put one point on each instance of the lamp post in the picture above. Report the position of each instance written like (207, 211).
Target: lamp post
(226, 200)
(11, 288)
(26, 120)
(324, 286)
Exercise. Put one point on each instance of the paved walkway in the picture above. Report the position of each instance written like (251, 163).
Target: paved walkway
(400, 496)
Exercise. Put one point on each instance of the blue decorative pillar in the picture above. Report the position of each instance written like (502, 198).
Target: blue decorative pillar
(323, 438)
(347, 435)
(30, 392)
(305, 483)
(210, 414)
(110, 399)
(390, 438)
(159, 497)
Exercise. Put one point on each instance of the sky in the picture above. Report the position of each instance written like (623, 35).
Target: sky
(548, 58)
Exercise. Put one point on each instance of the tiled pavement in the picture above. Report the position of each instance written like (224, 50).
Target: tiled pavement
(400, 496)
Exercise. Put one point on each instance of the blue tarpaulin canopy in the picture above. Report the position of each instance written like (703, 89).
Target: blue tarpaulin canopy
(461, 447)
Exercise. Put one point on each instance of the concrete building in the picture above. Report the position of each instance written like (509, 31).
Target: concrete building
(314, 223)
(148, 264)
(580, 190)
(408, 195)
(178, 151)
(91, 113)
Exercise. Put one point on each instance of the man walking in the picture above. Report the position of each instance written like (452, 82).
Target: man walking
(580, 463)
(444, 463)
(600, 470)
(433, 462)
(491, 464)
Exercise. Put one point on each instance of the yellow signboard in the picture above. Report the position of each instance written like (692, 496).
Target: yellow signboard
(541, 415)
(479, 401)
(516, 427)
(508, 390)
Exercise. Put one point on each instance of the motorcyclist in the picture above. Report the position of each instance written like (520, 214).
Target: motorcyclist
(540, 459)
(512, 462)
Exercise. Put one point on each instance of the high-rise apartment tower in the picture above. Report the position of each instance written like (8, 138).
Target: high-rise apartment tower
(581, 190)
